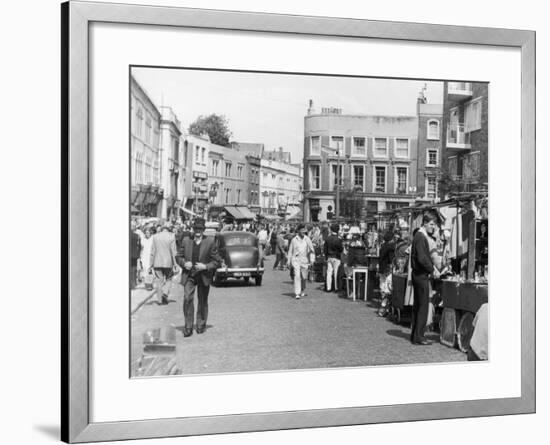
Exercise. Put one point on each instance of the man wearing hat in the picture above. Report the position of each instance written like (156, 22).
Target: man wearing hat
(198, 257)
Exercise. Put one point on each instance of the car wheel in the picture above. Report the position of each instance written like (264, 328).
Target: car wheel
(246, 279)
(259, 280)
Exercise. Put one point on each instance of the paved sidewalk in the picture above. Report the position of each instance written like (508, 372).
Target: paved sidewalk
(139, 296)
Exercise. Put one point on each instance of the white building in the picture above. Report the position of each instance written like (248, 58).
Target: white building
(145, 118)
(170, 134)
(280, 187)
(198, 148)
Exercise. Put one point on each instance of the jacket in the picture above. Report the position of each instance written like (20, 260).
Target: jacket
(163, 250)
(208, 255)
(421, 261)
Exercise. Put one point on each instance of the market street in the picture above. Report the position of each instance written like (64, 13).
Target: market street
(254, 328)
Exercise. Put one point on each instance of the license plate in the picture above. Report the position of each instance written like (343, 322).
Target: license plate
(242, 274)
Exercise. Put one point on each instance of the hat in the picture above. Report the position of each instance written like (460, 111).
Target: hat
(198, 224)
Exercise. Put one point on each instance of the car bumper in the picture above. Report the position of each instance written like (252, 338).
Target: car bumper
(240, 271)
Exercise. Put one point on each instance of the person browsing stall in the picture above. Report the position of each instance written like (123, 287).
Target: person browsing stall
(333, 249)
(422, 269)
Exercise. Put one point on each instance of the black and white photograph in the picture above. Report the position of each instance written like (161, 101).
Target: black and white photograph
(302, 221)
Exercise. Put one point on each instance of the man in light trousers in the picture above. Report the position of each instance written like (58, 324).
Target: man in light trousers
(300, 255)
(333, 251)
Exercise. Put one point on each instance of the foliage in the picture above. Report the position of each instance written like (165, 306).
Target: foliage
(214, 125)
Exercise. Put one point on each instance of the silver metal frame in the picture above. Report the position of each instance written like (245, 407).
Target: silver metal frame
(76, 18)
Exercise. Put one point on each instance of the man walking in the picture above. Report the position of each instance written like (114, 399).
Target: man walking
(280, 252)
(333, 252)
(262, 240)
(199, 259)
(422, 268)
(300, 253)
(163, 261)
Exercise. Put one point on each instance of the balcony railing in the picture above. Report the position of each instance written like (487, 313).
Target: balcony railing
(459, 91)
(457, 137)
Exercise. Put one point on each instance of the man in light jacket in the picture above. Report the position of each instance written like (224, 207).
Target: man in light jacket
(163, 261)
(300, 255)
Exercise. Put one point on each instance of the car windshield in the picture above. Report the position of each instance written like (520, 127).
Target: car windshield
(240, 240)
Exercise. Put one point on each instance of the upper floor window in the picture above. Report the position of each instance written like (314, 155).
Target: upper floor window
(359, 146)
(431, 157)
(433, 129)
(315, 145)
(197, 154)
(228, 169)
(139, 120)
(148, 130)
(401, 148)
(472, 115)
(315, 177)
(203, 155)
(359, 176)
(380, 179)
(401, 180)
(381, 147)
(337, 142)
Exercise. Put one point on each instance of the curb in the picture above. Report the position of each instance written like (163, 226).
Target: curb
(141, 303)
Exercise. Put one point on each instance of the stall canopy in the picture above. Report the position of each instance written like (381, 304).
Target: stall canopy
(246, 213)
(234, 212)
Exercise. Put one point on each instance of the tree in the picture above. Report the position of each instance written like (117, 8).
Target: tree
(216, 126)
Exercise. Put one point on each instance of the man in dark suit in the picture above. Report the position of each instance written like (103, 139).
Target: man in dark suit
(422, 269)
(199, 259)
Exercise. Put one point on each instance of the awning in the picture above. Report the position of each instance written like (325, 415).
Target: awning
(296, 214)
(188, 211)
(234, 212)
(246, 213)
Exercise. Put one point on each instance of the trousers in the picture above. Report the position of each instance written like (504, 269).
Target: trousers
(191, 285)
(421, 286)
(332, 269)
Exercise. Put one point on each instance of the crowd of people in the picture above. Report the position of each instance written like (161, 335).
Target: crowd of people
(160, 250)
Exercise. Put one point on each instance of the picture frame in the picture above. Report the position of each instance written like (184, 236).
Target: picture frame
(76, 280)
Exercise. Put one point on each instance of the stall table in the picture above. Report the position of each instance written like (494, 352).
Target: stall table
(461, 301)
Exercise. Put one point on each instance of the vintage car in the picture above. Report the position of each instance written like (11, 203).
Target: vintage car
(240, 257)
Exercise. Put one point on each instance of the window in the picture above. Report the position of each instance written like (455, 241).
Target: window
(148, 130)
(381, 147)
(359, 176)
(156, 172)
(315, 177)
(433, 130)
(472, 116)
(336, 177)
(139, 120)
(359, 147)
(138, 168)
(239, 171)
(238, 196)
(401, 148)
(148, 169)
(337, 142)
(431, 187)
(471, 166)
(197, 154)
(401, 180)
(380, 179)
(203, 156)
(431, 157)
(227, 195)
(315, 145)
(228, 169)
(214, 168)
(453, 166)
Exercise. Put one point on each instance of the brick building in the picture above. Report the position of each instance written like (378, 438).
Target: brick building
(465, 135)
(430, 117)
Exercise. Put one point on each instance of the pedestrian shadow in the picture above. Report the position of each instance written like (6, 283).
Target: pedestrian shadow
(181, 328)
(398, 333)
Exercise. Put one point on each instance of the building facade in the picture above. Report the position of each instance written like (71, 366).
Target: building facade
(430, 118)
(170, 135)
(371, 159)
(146, 190)
(280, 187)
(198, 149)
(227, 176)
(465, 134)
(253, 174)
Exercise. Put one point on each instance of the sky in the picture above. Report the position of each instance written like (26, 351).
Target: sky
(270, 108)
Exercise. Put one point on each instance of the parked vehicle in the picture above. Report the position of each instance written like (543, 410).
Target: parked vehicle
(240, 257)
